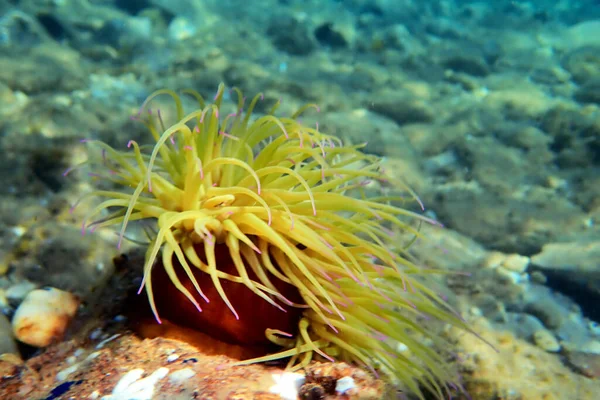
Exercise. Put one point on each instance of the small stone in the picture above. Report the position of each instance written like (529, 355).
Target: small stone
(180, 376)
(470, 65)
(287, 385)
(133, 386)
(43, 316)
(545, 340)
(494, 260)
(516, 263)
(16, 293)
(538, 277)
(512, 276)
(345, 384)
(180, 29)
(593, 347)
(291, 36)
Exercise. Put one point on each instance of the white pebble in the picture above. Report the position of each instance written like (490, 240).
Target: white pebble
(132, 387)
(516, 263)
(105, 341)
(344, 384)
(20, 290)
(180, 29)
(64, 374)
(127, 380)
(172, 357)
(18, 231)
(43, 317)
(96, 333)
(71, 360)
(92, 356)
(180, 376)
(78, 352)
(545, 340)
(401, 347)
(287, 385)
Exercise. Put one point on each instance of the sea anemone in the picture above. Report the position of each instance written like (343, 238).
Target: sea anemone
(289, 215)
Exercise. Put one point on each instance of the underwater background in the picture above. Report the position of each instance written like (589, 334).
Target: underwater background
(488, 110)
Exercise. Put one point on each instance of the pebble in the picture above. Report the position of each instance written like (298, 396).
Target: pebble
(17, 292)
(287, 385)
(107, 340)
(511, 262)
(96, 333)
(172, 358)
(43, 316)
(63, 374)
(545, 340)
(593, 347)
(132, 386)
(494, 260)
(180, 29)
(516, 263)
(180, 376)
(344, 384)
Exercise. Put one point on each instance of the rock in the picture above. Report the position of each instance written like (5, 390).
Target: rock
(44, 316)
(125, 32)
(385, 137)
(589, 92)
(510, 262)
(583, 63)
(573, 150)
(129, 367)
(181, 28)
(403, 109)
(57, 255)
(63, 69)
(521, 100)
(448, 250)
(587, 364)
(398, 37)
(469, 65)
(330, 37)
(133, 7)
(291, 36)
(580, 256)
(7, 339)
(12, 102)
(19, 30)
(584, 33)
(491, 371)
(545, 340)
(17, 292)
(516, 263)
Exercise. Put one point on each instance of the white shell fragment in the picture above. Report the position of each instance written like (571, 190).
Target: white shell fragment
(43, 316)
(132, 386)
(344, 384)
(287, 385)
